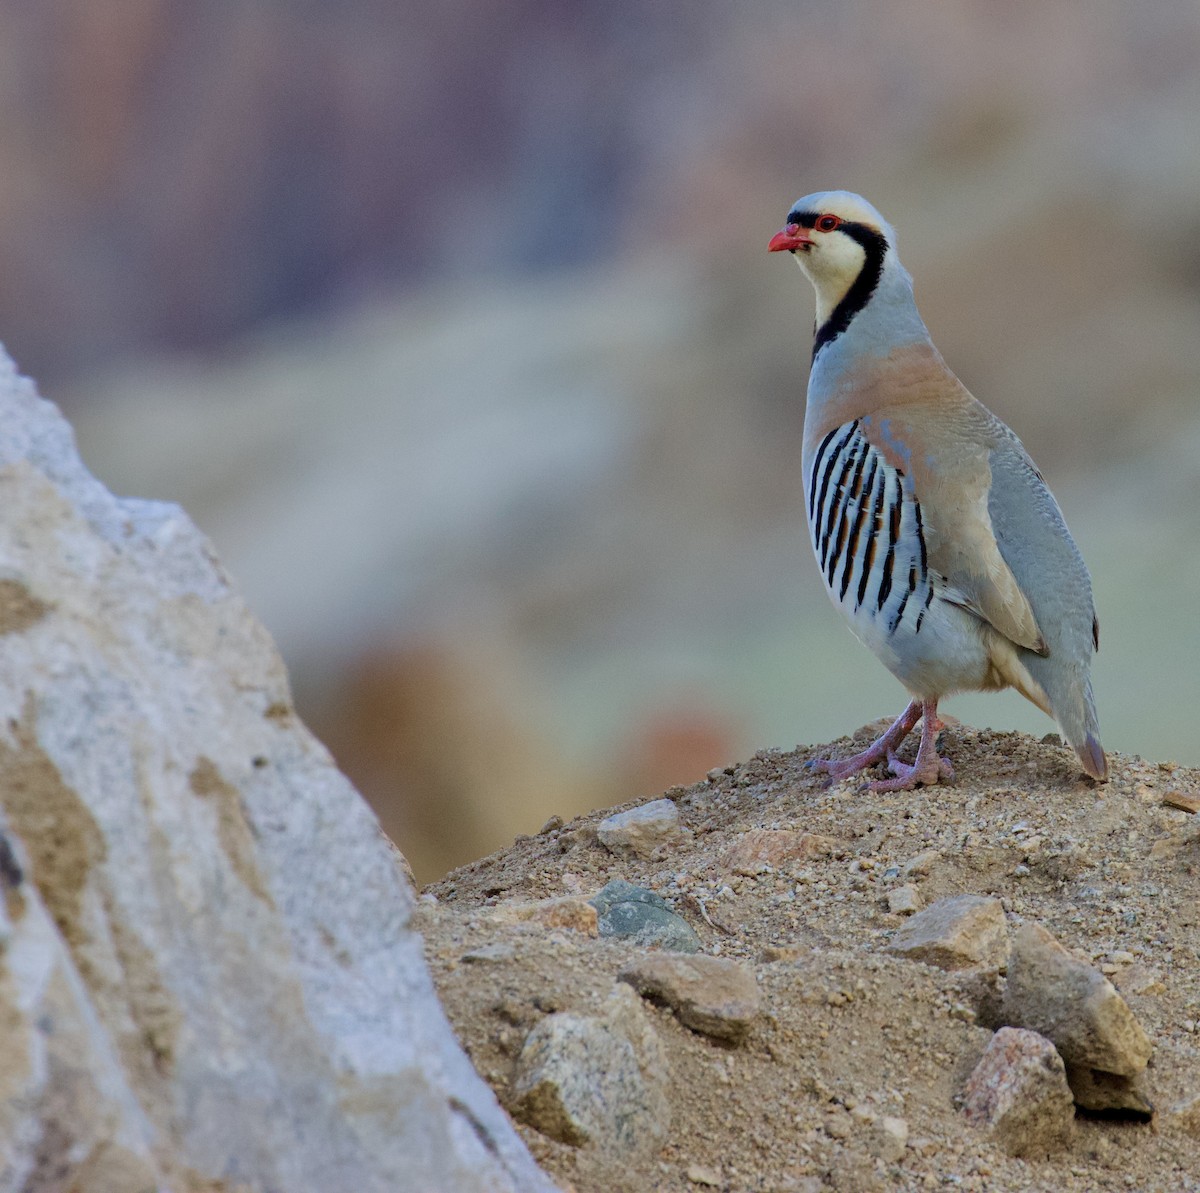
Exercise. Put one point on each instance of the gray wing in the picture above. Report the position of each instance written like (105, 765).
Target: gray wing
(1035, 543)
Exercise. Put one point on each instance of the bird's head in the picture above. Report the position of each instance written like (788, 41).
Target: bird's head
(834, 236)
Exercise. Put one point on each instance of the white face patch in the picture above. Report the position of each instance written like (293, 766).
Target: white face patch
(832, 264)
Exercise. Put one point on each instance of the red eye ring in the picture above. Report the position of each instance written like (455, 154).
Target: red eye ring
(827, 223)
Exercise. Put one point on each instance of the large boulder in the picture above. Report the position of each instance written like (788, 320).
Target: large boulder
(207, 973)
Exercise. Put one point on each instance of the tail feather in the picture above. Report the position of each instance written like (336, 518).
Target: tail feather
(1091, 754)
(1068, 691)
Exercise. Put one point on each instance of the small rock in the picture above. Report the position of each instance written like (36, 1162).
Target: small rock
(555, 822)
(962, 932)
(920, 865)
(905, 900)
(643, 830)
(1019, 1090)
(784, 952)
(698, 1174)
(643, 917)
(887, 1138)
(838, 1124)
(1185, 1116)
(1185, 801)
(712, 995)
(598, 1080)
(1074, 1005)
(760, 849)
(565, 911)
(1141, 979)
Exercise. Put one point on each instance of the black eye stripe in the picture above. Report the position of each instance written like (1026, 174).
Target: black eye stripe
(860, 232)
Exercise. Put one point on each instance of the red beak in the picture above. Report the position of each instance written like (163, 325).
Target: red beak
(791, 238)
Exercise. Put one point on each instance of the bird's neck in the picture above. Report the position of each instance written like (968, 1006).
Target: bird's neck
(876, 315)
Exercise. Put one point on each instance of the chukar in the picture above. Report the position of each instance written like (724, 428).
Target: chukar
(935, 533)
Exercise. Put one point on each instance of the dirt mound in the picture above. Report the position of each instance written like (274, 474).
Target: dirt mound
(849, 1035)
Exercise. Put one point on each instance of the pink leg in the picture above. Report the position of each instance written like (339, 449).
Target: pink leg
(879, 750)
(928, 767)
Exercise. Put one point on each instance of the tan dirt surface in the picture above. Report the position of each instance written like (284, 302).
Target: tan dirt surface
(848, 1033)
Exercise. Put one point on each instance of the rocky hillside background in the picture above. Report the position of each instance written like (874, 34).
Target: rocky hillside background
(455, 329)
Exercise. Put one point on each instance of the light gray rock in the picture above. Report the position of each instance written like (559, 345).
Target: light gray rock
(1019, 1092)
(207, 967)
(961, 932)
(643, 830)
(712, 995)
(1074, 1005)
(905, 900)
(643, 917)
(597, 1081)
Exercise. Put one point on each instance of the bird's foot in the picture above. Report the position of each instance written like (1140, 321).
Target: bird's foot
(924, 772)
(880, 750)
(842, 768)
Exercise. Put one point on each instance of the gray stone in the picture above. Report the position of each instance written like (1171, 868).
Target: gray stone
(905, 900)
(596, 1080)
(712, 995)
(208, 967)
(1019, 1092)
(643, 917)
(642, 831)
(962, 932)
(1071, 1003)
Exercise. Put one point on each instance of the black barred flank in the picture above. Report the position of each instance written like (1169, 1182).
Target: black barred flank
(912, 587)
(812, 487)
(872, 530)
(856, 529)
(837, 501)
(815, 515)
(921, 537)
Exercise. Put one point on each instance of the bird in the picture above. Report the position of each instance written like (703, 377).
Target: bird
(935, 533)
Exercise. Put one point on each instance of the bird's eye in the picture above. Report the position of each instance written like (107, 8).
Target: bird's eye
(827, 223)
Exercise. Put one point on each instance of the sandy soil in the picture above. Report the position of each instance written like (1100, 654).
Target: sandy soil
(849, 1033)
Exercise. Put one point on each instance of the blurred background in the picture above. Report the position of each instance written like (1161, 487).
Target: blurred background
(453, 325)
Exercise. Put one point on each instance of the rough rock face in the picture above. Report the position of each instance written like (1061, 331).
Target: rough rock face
(207, 974)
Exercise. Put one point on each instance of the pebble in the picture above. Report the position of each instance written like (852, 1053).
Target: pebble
(711, 995)
(905, 900)
(961, 932)
(1185, 801)
(642, 831)
(642, 916)
(761, 849)
(921, 864)
(1019, 1091)
(698, 1174)
(597, 1080)
(1053, 992)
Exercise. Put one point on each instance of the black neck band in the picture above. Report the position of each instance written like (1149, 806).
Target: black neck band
(874, 244)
